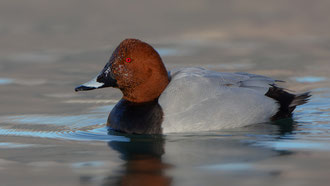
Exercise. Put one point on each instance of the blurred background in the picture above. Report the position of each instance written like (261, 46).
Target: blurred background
(57, 45)
(49, 47)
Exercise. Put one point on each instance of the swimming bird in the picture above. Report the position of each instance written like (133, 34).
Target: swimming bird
(190, 99)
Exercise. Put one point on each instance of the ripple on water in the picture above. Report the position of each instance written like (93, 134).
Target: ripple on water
(16, 145)
(6, 81)
(27, 82)
(310, 79)
(87, 127)
(167, 51)
(295, 144)
(228, 167)
(37, 57)
(99, 134)
(73, 121)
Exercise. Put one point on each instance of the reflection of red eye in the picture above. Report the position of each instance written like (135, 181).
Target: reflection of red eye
(128, 60)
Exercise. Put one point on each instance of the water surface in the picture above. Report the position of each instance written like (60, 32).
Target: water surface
(50, 135)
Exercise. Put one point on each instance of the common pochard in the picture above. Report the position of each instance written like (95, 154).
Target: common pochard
(194, 99)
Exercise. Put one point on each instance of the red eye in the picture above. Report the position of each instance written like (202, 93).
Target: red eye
(128, 60)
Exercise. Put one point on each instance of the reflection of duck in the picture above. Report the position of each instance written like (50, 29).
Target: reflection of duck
(205, 154)
(285, 126)
(143, 165)
(194, 99)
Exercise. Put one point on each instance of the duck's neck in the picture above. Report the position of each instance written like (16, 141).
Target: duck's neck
(147, 91)
(137, 118)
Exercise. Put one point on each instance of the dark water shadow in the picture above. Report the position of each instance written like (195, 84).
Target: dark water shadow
(143, 161)
(285, 126)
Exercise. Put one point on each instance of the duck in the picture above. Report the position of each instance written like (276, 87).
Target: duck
(190, 99)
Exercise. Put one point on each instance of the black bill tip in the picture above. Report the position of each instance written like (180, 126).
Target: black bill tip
(83, 88)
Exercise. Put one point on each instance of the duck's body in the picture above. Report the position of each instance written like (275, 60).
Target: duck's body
(187, 99)
(198, 100)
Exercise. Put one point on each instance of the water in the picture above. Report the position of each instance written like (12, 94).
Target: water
(50, 135)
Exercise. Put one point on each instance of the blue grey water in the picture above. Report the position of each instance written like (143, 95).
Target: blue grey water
(50, 135)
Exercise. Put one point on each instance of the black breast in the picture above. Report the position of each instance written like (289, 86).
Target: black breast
(136, 118)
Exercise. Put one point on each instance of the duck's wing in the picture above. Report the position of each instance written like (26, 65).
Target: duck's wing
(220, 78)
(255, 82)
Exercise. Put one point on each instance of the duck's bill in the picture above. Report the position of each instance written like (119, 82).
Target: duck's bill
(90, 85)
(102, 80)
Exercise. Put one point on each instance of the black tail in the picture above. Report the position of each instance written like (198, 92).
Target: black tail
(287, 101)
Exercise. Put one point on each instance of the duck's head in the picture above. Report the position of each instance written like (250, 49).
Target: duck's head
(136, 69)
